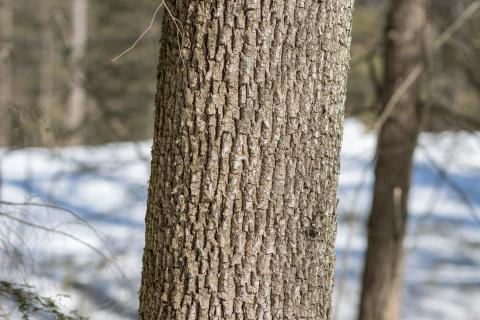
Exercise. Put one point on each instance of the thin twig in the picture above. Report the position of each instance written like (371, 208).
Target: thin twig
(434, 200)
(63, 233)
(72, 237)
(464, 16)
(443, 174)
(176, 22)
(397, 95)
(51, 206)
(179, 31)
(353, 212)
(143, 33)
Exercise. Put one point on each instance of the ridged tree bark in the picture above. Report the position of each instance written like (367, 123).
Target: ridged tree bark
(78, 96)
(241, 216)
(6, 72)
(405, 49)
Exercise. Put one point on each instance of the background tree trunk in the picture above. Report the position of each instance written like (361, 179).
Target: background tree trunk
(78, 97)
(241, 217)
(48, 57)
(6, 73)
(382, 275)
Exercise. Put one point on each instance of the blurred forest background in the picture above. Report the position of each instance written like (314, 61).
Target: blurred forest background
(45, 57)
(75, 132)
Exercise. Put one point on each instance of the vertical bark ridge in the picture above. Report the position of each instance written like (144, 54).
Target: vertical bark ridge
(242, 200)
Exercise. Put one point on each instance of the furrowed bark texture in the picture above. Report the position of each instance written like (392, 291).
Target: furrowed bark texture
(241, 216)
(382, 275)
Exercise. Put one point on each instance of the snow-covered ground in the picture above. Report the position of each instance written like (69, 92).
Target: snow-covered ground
(94, 252)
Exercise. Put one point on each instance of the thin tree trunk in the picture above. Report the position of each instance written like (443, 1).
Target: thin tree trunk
(47, 63)
(241, 216)
(6, 73)
(78, 97)
(397, 139)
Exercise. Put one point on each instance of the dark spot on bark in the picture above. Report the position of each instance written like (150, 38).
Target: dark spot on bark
(312, 232)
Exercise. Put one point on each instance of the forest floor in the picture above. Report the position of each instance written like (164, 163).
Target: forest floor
(93, 251)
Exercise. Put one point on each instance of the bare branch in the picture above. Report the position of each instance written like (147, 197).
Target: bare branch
(143, 33)
(457, 24)
(51, 206)
(454, 186)
(417, 70)
(72, 237)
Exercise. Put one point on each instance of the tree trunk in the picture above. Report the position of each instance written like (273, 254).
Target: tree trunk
(47, 63)
(6, 73)
(241, 216)
(397, 139)
(78, 97)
